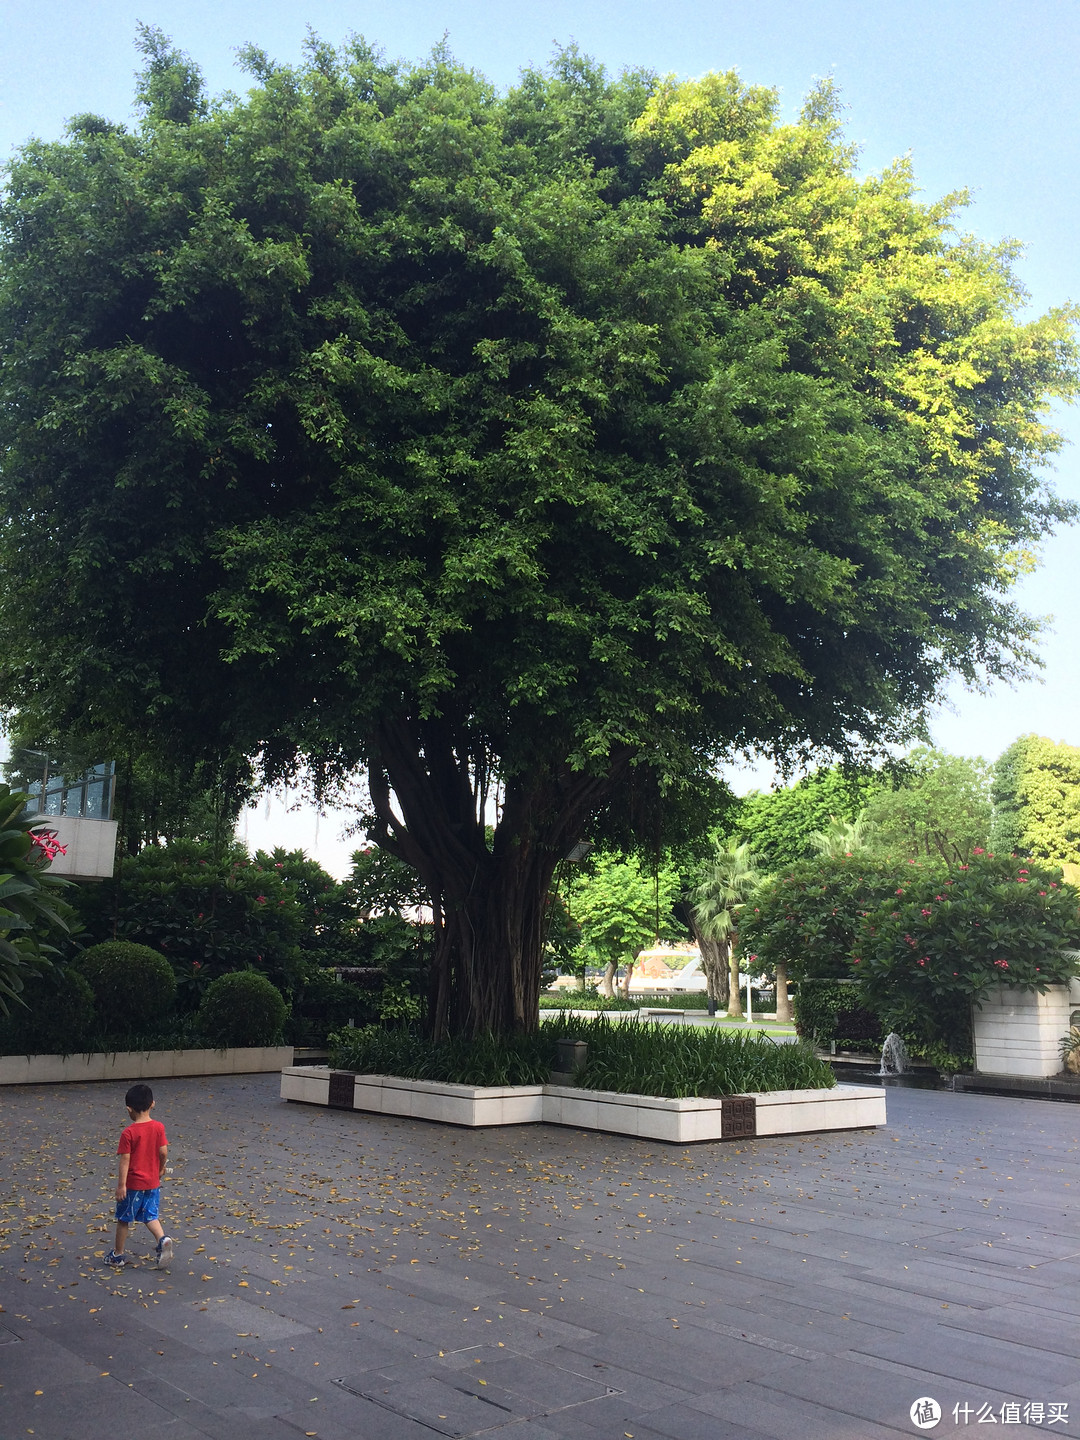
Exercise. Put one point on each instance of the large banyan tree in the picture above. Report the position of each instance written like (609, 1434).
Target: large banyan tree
(546, 446)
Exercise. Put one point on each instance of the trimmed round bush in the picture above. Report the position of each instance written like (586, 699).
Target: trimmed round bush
(134, 987)
(58, 1019)
(243, 1008)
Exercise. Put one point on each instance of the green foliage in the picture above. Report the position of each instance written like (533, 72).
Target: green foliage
(56, 1016)
(387, 897)
(543, 440)
(397, 1003)
(807, 917)
(833, 1010)
(780, 825)
(327, 912)
(724, 885)
(323, 1002)
(621, 908)
(938, 945)
(209, 913)
(939, 809)
(629, 1058)
(1036, 795)
(482, 1060)
(381, 884)
(243, 1008)
(642, 1058)
(33, 910)
(134, 987)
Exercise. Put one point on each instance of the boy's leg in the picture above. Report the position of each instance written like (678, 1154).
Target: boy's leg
(121, 1237)
(154, 1226)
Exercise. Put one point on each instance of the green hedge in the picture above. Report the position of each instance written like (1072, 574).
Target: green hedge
(243, 1008)
(134, 987)
(58, 1017)
(828, 1011)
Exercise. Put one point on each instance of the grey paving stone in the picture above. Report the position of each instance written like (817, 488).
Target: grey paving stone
(762, 1410)
(1025, 1370)
(911, 1230)
(682, 1422)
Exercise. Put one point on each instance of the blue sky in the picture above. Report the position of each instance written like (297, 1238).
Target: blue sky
(983, 95)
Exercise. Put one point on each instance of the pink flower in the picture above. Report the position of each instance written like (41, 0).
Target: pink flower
(899, 892)
(921, 962)
(260, 899)
(978, 850)
(924, 912)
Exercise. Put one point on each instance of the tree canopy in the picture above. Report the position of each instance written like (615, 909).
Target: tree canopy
(939, 809)
(544, 447)
(1036, 794)
(781, 824)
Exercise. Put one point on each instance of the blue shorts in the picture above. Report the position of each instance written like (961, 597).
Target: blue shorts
(138, 1205)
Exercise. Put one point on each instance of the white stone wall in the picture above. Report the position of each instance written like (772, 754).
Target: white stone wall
(1018, 1032)
(90, 845)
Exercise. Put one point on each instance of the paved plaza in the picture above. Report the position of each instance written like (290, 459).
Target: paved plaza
(351, 1277)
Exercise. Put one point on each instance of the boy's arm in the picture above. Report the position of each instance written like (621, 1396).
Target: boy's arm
(163, 1154)
(121, 1178)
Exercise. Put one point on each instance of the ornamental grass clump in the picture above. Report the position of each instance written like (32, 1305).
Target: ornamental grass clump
(483, 1060)
(658, 1058)
(632, 1058)
(938, 946)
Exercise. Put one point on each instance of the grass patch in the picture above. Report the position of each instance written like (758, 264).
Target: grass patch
(632, 1058)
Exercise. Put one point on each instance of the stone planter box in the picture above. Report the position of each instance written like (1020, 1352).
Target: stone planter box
(141, 1064)
(652, 1117)
(1017, 1032)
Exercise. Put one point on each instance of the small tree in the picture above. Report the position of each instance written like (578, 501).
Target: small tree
(621, 909)
(1036, 795)
(939, 809)
(726, 883)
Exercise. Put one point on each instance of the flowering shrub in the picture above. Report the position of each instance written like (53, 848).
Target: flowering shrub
(207, 913)
(937, 945)
(808, 916)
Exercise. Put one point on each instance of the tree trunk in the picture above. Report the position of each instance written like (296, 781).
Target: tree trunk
(606, 986)
(488, 897)
(625, 986)
(714, 967)
(783, 1004)
(735, 1006)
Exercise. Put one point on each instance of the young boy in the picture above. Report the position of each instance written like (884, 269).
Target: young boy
(143, 1150)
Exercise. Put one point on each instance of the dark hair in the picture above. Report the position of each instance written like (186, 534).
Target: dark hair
(139, 1098)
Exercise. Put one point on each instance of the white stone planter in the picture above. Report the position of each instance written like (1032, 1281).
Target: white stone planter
(780, 1112)
(141, 1064)
(90, 846)
(1017, 1032)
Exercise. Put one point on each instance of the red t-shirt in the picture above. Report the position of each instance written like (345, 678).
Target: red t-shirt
(143, 1143)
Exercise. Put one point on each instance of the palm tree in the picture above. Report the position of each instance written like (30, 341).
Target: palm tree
(843, 837)
(726, 883)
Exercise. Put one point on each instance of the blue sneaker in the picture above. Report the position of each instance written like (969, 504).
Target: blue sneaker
(116, 1261)
(164, 1252)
